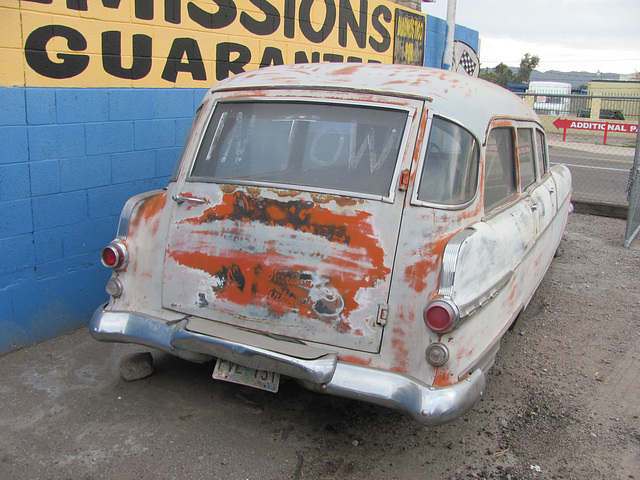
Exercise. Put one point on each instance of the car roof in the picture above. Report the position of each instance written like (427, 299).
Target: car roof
(471, 101)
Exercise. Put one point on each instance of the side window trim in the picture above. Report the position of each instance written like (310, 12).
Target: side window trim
(507, 164)
(542, 154)
(420, 167)
(522, 131)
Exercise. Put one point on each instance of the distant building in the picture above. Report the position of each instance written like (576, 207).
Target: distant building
(620, 88)
(616, 109)
(518, 87)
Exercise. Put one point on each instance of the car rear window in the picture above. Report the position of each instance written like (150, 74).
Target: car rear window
(319, 145)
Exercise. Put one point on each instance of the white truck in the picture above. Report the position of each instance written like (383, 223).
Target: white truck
(552, 98)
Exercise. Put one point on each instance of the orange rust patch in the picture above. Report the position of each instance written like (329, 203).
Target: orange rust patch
(148, 210)
(254, 191)
(356, 360)
(285, 193)
(399, 348)
(443, 378)
(514, 293)
(502, 123)
(417, 273)
(276, 213)
(340, 201)
(350, 70)
(228, 188)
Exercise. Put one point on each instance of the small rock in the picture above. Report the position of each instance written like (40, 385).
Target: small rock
(136, 366)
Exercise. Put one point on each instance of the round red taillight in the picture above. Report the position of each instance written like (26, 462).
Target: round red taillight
(441, 316)
(115, 256)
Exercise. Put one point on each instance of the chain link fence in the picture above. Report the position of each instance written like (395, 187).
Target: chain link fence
(597, 138)
(633, 217)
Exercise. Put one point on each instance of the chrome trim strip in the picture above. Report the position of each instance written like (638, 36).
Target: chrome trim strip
(426, 404)
(485, 297)
(127, 212)
(450, 261)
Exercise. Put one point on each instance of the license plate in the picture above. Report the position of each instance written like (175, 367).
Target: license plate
(232, 372)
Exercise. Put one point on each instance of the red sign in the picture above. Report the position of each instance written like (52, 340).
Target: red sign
(606, 127)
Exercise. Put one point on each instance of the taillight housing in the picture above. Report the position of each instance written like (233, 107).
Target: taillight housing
(115, 255)
(441, 315)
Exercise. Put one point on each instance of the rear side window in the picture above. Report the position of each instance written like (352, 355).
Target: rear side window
(500, 168)
(541, 154)
(450, 170)
(525, 157)
(349, 148)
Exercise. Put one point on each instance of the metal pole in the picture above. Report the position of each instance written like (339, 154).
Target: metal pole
(447, 58)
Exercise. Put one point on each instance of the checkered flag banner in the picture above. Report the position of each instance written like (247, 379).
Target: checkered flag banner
(467, 63)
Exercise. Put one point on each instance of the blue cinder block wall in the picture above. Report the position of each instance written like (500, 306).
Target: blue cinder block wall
(435, 38)
(69, 160)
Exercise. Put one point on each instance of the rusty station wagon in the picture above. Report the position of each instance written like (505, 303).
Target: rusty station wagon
(370, 231)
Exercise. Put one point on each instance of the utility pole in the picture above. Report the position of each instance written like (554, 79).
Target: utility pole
(447, 58)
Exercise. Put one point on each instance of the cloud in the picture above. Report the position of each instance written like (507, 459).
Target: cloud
(566, 34)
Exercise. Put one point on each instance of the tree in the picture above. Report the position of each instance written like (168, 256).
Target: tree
(527, 64)
(503, 75)
(500, 75)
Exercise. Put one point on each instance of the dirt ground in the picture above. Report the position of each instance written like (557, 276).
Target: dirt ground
(562, 402)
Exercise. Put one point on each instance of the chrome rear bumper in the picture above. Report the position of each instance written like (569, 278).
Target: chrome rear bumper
(323, 372)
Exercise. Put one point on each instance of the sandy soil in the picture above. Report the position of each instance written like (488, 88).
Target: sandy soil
(562, 402)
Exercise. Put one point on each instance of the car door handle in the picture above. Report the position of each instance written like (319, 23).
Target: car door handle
(533, 206)
(179, 199)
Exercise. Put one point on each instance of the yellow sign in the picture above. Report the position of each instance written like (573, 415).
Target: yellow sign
(182, 43)
(409, 38)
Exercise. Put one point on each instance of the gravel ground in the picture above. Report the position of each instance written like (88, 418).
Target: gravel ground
(561, 403)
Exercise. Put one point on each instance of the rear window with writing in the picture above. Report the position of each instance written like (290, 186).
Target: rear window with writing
(319, 145)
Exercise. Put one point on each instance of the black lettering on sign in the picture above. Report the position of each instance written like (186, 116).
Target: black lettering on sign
(224, 64)
(301, 57)
(327, 26)
(289, 18)
(271, 56)
(265, 27)
(144, 9)
(348, 19)
(112, 56)
(35, 51)
(224, 17)
(172, 11)
(81, 5)
(333, 57)
(384, 44)
(194, 64)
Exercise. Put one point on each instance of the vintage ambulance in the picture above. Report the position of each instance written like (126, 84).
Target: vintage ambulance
(368, 230)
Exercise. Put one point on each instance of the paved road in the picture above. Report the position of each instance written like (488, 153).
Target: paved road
(600, 173)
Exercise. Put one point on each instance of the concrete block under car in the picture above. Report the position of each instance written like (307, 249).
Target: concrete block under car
(136, 366)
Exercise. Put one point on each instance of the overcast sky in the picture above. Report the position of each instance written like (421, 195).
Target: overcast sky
(567, 35)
